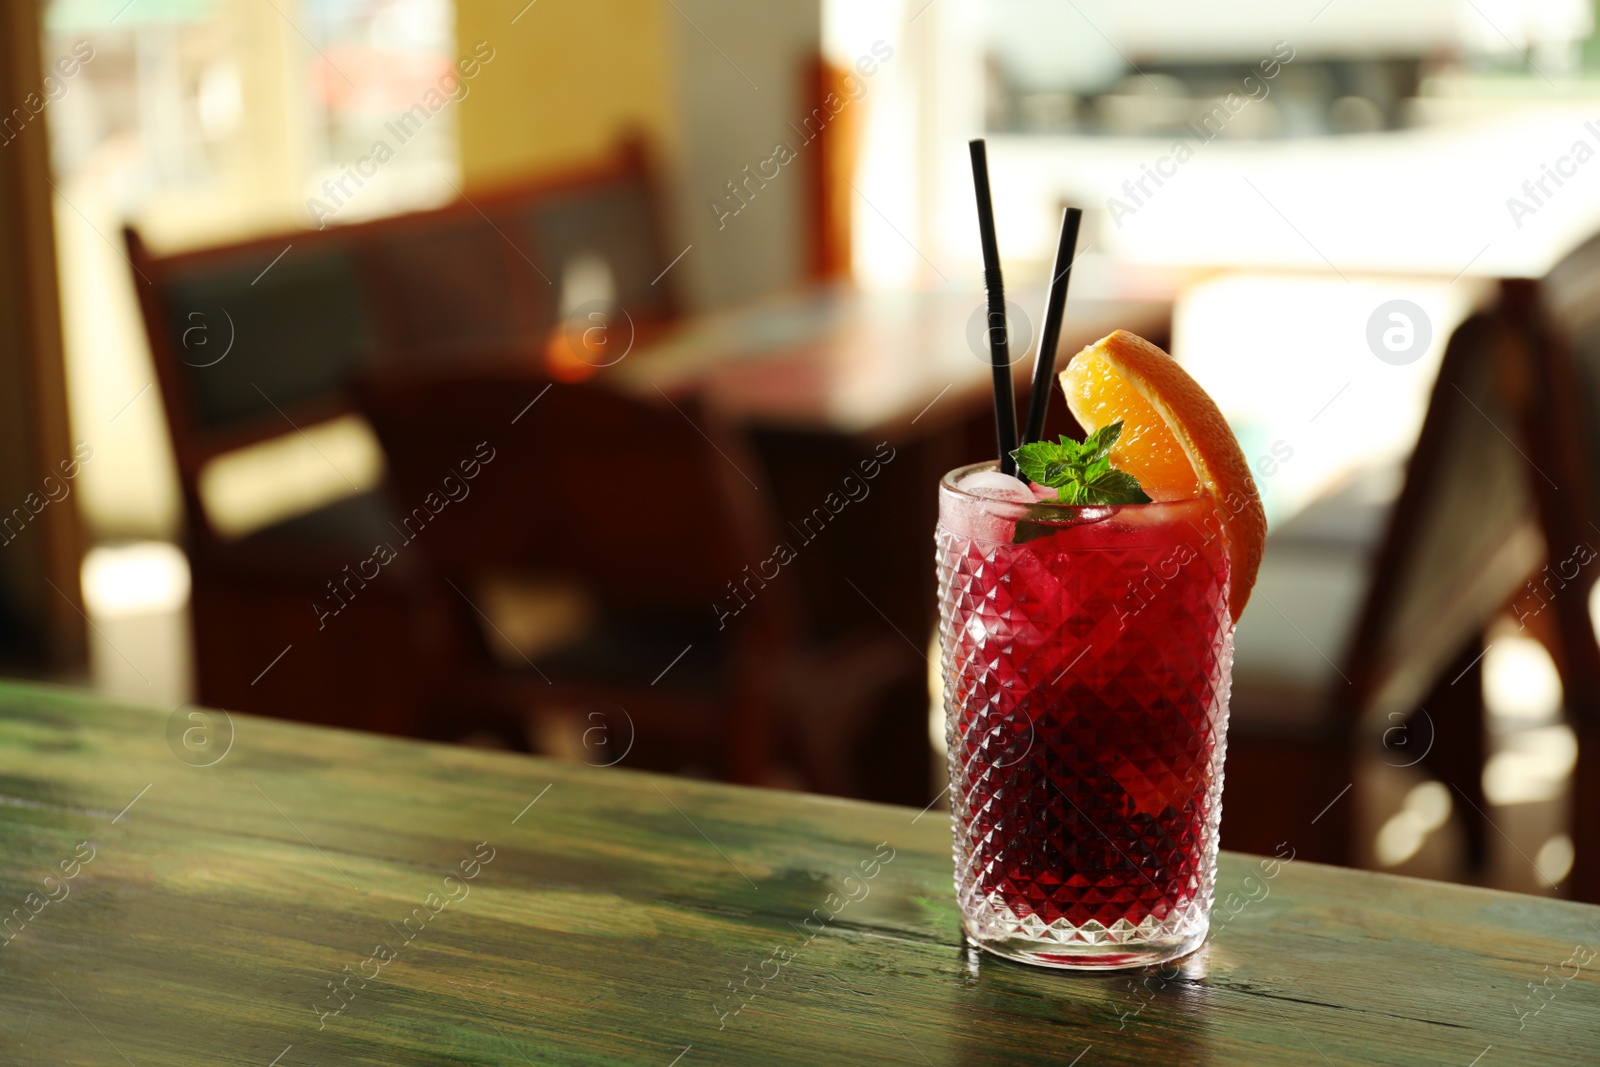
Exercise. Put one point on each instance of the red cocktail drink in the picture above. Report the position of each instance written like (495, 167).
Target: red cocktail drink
(1087, 654)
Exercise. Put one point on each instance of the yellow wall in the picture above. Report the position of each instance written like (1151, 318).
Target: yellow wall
(565, 80)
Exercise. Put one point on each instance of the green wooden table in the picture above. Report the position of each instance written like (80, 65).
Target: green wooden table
(315, 897)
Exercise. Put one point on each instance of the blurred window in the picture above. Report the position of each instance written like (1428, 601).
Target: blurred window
(203, 121)
(1102, 68)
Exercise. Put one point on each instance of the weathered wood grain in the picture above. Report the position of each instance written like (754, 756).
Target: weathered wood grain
(612, 915)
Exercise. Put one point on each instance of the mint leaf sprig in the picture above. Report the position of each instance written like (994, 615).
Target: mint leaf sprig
(1080, 471)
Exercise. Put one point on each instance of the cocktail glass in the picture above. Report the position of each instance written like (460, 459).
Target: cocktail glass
(1087, 654)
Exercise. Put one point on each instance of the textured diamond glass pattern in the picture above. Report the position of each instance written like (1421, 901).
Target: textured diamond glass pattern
(1086, 676)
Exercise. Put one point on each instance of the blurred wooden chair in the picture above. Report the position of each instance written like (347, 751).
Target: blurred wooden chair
(442, 285)
(644, 508)
(651, 510)
(253, 344)
(1322, 675)
(487, 276)
(259, 340)
(1561, 313)
(610, 224)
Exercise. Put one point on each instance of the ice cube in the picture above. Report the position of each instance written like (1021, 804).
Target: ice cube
(996, 486)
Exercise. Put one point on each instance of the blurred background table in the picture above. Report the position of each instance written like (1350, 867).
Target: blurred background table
(610, 916)
(843, 361)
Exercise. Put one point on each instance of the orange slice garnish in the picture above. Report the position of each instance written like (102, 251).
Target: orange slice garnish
(1174, 440)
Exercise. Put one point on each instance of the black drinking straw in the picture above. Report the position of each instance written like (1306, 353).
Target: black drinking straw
(1005, 404)
(1044, 360)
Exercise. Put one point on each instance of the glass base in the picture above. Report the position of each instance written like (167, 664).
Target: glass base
(1083, 957)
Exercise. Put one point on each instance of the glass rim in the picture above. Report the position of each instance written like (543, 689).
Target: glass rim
(947, 483)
